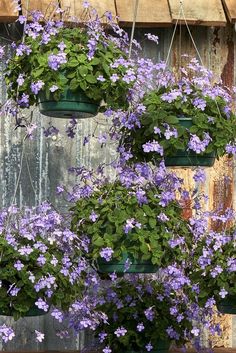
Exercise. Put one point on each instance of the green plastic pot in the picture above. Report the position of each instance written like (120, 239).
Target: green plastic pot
(190, 158)
(118, 266)
(227, 305)
(34, 311)
(162, 347)
(71, 104)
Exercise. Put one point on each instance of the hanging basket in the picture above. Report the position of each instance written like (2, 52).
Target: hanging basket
(118, 266)
(189, 158)
(162, 347)
(227, 305)
(70, 104)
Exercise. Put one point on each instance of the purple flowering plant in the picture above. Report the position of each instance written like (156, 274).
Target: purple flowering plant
(135, 214)
(40, 262)
(152, 128)
(143, 313)
(214, 264)
(89, 55)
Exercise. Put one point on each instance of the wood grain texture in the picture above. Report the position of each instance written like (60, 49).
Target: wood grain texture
(230, 9)
(200, 12)
(8, 12)
(151, 13)
(75, 8)
(47, 7)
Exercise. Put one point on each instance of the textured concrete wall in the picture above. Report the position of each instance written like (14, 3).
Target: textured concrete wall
(38, 166)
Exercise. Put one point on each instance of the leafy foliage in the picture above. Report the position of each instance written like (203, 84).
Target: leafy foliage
(37, 261)
(115, 206)
(180, 107)
(80, 70)
(126, 305)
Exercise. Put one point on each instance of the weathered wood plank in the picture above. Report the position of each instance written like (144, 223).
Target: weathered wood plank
(200, 12)
(47, 7)
(75, 7)
(8, 11)
(230, 8)
(150, 13)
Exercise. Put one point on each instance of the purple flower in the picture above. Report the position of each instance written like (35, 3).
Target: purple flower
(149, 347)
(22, 19)
(157, 131)
(23, 100)
(130, 224)
(101, 78)
(197, 145)
(1, 51)
(153, 146)
(25, 250)
(121, 331)
(172, 333)
(41, 260)
(61, 46)
(171, 96)
(13, 291)
(149, 313)
(93, 216)
(170, 132)
(41, 304)
(39, 336)
(199, 103)
(36, 86)
(102, 336)
(107, 350)
(230, 148)
(114, 78)
(223, 293)
(106, 253)
(216, 271)
(20, 80)
(140, 327)
(18, 265)
(162, 217)
(23, 49)
(6, 333)
(57, 314)
(56, 60)
(152, 37)
(53, 88)
(200, 175)
(195, 331)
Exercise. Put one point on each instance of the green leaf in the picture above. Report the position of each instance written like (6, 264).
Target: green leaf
(73, 62)
(91, 79)
(38, 72)
(98, 242)
(74, 84)
(83, 71)
(95, 61)
(152, 222)
(106, 68)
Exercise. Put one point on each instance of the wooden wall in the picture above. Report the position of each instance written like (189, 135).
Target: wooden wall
(45, 161)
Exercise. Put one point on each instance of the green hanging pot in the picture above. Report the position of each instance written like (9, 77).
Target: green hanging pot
(33, 311)
(70, 104)
(189, 158)
(118, 266)
(162, 347)
(227, 305)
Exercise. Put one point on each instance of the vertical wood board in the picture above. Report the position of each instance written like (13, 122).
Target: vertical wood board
(45, 6)
(200, 12)
(75, 8)
(230, 8)
(150, 13)
(8, 11)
